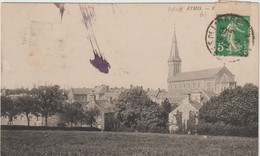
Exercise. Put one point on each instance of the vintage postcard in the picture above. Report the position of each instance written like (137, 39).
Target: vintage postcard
(129, 78)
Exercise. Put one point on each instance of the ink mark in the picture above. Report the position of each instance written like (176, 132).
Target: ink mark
(89, 15)
(61, 7)
(100, 63)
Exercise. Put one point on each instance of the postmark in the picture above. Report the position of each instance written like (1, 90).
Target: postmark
(230, 35)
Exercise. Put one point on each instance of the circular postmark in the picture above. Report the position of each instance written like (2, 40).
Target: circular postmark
(229, 36)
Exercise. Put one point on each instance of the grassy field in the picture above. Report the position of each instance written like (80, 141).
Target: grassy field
(109, 143)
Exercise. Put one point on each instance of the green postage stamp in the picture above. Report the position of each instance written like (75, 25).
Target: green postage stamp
(232, 35)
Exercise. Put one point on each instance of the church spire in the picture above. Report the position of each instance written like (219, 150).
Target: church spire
(174, 62)
(174, 55)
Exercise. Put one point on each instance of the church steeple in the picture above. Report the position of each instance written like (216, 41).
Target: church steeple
(174, 61)
(174, 55)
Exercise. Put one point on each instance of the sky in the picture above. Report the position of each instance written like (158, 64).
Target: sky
(134, 38)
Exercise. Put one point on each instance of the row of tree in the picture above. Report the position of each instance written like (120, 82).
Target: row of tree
(45, 101)
(237, 107)
(134, 108)
(74, 113)
(234, 110)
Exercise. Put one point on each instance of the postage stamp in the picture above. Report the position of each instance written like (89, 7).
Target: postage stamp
(230, 35)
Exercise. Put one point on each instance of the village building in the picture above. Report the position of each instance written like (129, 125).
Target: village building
(101, 97)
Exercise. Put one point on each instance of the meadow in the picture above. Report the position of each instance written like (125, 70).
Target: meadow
(29, 142)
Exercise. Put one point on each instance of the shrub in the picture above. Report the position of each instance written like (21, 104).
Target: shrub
(227, 130)
(7, 127)
(156, 129)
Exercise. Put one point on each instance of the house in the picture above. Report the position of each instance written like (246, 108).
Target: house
(79, 94)
(101, 97)
(21, 119)
(106, 120)
(185, 107)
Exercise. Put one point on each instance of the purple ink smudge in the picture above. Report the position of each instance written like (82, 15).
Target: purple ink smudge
(88, 14)
(61, 7)
(100, 63)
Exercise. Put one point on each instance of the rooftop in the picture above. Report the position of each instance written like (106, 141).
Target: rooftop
(196, 75)
(81, 91)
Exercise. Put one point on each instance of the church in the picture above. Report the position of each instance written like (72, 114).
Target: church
(215, 79)
(193, 88)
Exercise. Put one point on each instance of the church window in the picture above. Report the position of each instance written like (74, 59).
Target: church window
(184, 86)
(199, 85)
(189, 85)
(179, 86)
(193, 84)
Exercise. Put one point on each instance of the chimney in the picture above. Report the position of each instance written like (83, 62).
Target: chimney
(187, 98)
(159, 89)
(107, 88)
(131, 86)
(148, 89)
(141, 87)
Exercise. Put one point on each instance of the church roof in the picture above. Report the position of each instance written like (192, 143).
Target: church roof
(196, 75)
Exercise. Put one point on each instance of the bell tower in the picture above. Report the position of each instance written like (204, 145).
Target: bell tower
(174, 61)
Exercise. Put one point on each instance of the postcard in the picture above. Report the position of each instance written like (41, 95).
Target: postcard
(129, 78)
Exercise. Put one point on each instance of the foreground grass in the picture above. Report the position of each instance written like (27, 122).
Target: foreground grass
(109, 143)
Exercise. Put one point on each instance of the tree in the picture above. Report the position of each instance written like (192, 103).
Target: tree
(237, 107)
(9, 108)
(91, 115)
(71, 113)
(136, 110)
(191, 123)
(50, 100)
(27, 105)
(17, 91)
(166, 109)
